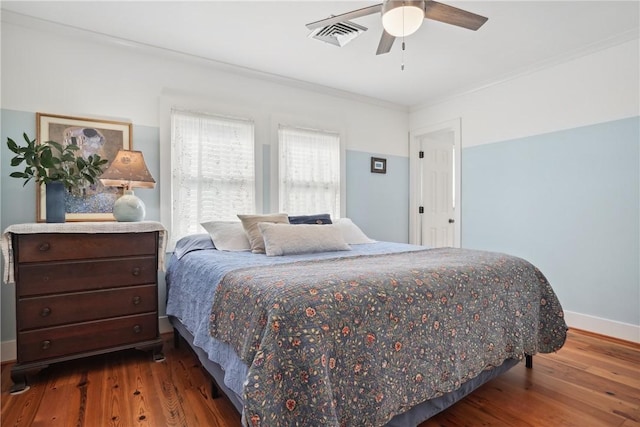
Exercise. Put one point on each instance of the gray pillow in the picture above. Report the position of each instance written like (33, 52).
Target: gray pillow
(289, 239)
(250, 224)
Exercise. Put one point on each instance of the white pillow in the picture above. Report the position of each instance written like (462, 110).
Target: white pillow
(290, 239)
(227, 235)
(351, 232)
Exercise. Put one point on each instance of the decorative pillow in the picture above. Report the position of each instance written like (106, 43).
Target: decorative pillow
(351, 232)
(193, 242)
(227, 235)
(250, 224)
(290, 239)
(310, 219)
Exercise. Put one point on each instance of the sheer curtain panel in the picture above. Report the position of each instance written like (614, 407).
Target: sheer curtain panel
(213, 170)
(309, 171)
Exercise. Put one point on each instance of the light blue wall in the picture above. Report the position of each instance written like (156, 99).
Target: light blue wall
(569, 202)
(18, 203)
(372, 199)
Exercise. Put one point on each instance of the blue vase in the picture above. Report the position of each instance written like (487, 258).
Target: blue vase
(55, 202)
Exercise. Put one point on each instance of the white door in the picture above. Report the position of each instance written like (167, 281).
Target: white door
(435, 185)
(438, 222)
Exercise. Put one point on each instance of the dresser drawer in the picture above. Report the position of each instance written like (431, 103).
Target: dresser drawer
(58, 277)
(89, 336)
(58, 247)
(78, 307)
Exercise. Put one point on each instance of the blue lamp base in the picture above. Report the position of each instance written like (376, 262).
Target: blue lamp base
(129, 208)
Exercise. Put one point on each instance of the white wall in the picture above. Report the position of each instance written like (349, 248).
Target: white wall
(533, 121)
(595, 88)
(69, 74)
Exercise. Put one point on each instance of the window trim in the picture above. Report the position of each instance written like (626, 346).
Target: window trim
(294, 122)
(195, 104)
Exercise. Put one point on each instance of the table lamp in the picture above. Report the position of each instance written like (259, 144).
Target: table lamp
(128, 170)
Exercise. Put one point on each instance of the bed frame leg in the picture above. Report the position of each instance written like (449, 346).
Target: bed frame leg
(215, 391)
(176, 338)
(528, 361)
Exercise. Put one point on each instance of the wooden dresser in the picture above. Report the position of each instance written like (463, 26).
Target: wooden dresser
(82, 294)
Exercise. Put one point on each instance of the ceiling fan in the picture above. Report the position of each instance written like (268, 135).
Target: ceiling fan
(402, 18)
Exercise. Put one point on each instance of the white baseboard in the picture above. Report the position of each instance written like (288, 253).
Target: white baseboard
(164, 325)
(598, 325)
(611, 328)
(8, 352)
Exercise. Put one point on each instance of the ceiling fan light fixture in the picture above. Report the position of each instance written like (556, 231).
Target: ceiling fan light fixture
(402, 18)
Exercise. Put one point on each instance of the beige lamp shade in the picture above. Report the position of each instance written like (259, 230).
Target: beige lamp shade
(128, 170)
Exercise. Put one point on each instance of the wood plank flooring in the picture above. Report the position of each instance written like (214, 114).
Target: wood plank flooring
(592, 381)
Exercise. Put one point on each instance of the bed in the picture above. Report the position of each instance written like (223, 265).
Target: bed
(381, 334)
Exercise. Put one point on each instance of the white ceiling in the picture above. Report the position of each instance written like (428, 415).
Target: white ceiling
(270, 36)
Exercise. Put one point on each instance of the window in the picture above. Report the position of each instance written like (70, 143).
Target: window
(309, 171)
(213, 170)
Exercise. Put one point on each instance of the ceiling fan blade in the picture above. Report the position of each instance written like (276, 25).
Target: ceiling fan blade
(453, 15)
(345, 16)
(386, 41)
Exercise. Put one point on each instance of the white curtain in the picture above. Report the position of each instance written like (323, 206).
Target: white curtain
(309, 171)
(213, 170)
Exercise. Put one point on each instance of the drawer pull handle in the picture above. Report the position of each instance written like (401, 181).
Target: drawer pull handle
(45, 312)
(136, 271)
(46, 344)
(136, 300)
(44, 247)
(137, 329)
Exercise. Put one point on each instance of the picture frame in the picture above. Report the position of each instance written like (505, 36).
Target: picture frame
(94, 136)
(378, 165)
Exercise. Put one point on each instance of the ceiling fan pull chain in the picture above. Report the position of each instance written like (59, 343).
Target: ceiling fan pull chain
(402, 63)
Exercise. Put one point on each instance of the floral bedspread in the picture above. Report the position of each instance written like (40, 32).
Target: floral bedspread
(355, 341)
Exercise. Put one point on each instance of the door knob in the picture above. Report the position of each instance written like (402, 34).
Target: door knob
(451, 220)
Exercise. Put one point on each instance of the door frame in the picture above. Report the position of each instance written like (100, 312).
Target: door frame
(416, 173)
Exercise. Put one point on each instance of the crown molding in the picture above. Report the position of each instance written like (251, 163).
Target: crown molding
(38, 24)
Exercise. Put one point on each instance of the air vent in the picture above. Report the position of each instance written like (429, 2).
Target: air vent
(338, 34)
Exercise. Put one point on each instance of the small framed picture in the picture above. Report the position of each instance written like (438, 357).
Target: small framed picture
(378, 165)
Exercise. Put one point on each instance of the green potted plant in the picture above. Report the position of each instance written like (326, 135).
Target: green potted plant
(57, 167)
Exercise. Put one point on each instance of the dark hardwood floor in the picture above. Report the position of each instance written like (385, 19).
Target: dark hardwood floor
(592, 381)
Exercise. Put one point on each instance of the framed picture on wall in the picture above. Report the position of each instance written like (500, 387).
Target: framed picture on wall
(92, 136)
(378, 165)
